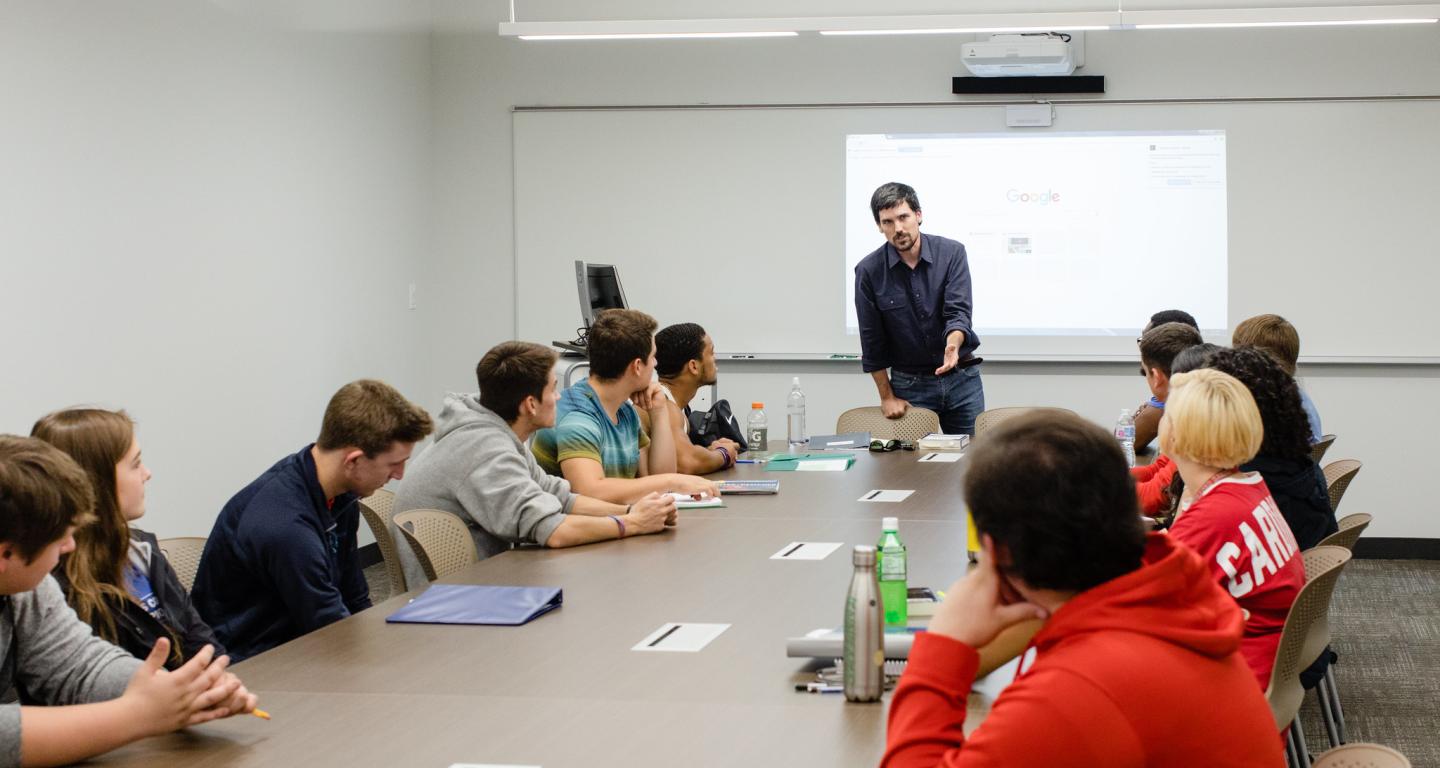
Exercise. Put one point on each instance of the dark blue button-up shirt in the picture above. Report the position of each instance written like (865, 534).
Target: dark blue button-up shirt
(905, 314)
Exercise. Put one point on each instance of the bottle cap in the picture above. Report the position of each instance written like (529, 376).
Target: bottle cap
(890, 524)
(757, 405)
(864, 555)
(795, 381)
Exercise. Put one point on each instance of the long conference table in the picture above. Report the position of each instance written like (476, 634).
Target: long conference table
(566, 689)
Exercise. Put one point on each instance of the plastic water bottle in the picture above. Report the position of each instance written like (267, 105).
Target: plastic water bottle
(1125, 433)
(864, 655)
(894, 594)
(757, 428)
(795, 415)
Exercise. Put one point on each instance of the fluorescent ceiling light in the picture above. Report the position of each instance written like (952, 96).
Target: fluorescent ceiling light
(974, 23)
(1242, 24)
(1235, 18)
(826, 25)
(660, 36)
(959, 31)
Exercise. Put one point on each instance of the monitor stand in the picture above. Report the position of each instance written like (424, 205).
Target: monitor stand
(577, 346)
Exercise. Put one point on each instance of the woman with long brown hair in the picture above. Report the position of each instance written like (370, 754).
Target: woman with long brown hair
(117, 579)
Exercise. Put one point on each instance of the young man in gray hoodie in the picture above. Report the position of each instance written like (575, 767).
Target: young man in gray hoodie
(92, 696)
(479, 468)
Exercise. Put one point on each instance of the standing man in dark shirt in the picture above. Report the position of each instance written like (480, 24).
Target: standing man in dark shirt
(912, 298)
(281, 560)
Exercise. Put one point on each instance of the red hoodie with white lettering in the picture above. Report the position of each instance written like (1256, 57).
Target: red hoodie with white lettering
(1142, 670)
(1238, 531)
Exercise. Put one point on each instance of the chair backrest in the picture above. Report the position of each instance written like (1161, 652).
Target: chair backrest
(1361, 756)
(184, 552)
(1306, 632)
(441, 540)
(915, 424)
(1350, 528)
(377, 509)
(1338, 475)
(988, 420)
(1318, 449)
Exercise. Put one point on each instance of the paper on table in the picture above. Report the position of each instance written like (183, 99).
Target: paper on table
(682, 637)
(890, 496)
(686, 501)
(946, 457)
(806, 550)
(823, 465)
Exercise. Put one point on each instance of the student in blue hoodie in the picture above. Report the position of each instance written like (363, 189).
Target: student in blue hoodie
(281, 560)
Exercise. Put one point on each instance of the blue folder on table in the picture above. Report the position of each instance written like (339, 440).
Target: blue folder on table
(478, 604)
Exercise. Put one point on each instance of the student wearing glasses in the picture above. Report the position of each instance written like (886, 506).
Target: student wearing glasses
(1158, 348)
(1147, 416)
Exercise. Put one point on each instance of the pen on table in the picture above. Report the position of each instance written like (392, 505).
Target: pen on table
(818, 688)
(872, 495)
(792, 549)
(747, 461)
(668, 633)
(260, 713)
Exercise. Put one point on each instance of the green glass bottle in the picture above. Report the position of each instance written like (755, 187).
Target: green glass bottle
(893, 571)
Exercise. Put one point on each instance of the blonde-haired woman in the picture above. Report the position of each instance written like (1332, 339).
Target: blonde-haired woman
(117, 579)
(1212, 426)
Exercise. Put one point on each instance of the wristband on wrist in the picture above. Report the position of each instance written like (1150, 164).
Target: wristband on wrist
(724, 454)
(620, 523)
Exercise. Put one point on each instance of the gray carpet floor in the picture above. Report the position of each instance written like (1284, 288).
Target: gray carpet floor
(1385, 623)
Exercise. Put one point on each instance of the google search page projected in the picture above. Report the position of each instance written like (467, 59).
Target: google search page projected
(1068, 234)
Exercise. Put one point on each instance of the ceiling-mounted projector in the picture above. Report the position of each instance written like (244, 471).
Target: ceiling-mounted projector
(1019, 55)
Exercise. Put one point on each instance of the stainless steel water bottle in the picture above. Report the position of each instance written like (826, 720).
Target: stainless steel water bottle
(864, 631)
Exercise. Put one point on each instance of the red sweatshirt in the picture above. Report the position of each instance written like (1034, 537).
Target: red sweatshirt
(1151, 481)
(1238, 531)
(1142, 670)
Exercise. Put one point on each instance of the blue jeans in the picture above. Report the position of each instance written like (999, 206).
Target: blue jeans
(958, 396)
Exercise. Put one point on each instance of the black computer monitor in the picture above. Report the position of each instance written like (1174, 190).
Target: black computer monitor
(599, 286)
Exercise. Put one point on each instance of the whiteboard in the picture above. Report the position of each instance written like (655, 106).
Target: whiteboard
(734, 218)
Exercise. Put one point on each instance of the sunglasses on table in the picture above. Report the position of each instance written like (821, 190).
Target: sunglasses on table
(884, 446)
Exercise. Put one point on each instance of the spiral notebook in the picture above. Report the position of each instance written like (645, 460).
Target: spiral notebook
(478, 604)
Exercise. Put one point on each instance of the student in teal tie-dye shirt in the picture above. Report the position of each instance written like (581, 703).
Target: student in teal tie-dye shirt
(597, 443)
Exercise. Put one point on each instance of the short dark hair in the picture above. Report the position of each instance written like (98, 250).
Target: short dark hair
(1194, 358)
(511, 372)
(1173, 316)
(371, 415)
(1287, 428)
(1274, 335)
(676, 345)
(1054, 491)
(1160, 345)
(42, 493)
(619, 337)
(892, 194)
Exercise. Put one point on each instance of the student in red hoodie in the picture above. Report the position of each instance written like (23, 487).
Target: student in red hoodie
(1228, 517)
(1137, 664)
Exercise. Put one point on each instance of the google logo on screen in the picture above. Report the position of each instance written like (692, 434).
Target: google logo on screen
(1034, 198)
